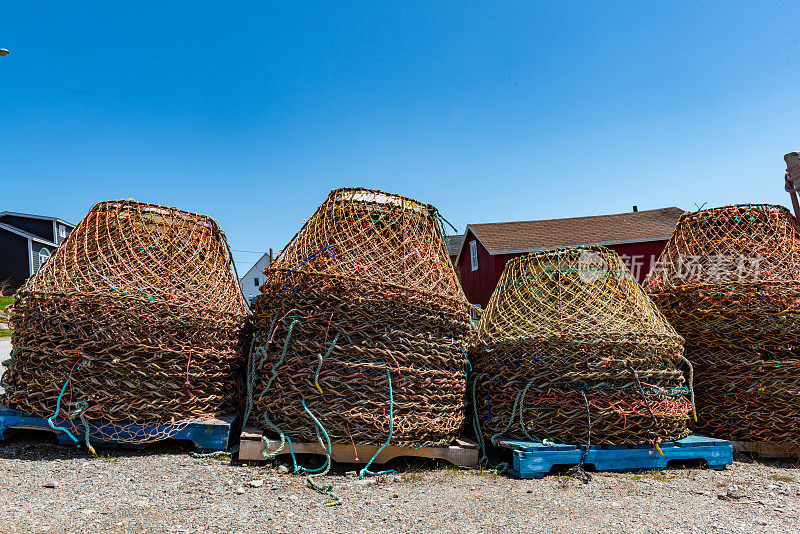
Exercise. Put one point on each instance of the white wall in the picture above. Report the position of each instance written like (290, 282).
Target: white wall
(253, 279)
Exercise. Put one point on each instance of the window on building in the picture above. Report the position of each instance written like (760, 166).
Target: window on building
(256, 281)
(44, 254)
(62, 231)
(473, 255)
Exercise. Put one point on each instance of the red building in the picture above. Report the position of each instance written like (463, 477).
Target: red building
(638, 237)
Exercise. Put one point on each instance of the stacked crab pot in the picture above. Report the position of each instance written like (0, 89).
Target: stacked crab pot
(728, 280)
(571, 349)
(137, 317)
(361, 325)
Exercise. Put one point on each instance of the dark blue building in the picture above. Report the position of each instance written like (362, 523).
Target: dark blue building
(26, 242)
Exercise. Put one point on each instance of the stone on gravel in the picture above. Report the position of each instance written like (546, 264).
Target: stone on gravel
(283, 469)
(240, 490)
(51, 484)
(256, 483)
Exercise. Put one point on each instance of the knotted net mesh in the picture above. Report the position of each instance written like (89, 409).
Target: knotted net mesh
(364, 288)
(568, 337)
(134, 325)
(728, 280)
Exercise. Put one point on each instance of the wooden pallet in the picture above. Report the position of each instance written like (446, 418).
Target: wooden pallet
(463, 453)
(768, 449)
(208, 436)
(534, 460)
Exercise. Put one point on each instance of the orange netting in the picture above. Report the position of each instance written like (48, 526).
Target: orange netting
(362, 299)
(137, 317)
(729, 281)
(569, 343)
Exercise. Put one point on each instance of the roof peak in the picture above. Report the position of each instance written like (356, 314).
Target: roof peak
(639, 212)
(34, 216)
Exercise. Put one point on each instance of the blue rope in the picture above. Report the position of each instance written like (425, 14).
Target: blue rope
(301, 469)
(366, 472)
(303, 263)
(326, 489)
(58, 409)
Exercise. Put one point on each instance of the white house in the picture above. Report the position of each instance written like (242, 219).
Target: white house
(253, 279)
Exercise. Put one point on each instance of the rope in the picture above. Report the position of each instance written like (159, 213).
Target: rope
(654, 437)
(58, 409)
(321, 358)
(691, 385)
(326, 489)
(499, 468)
(578, 469)
(80, 409)
(366, 472)
(274, 374)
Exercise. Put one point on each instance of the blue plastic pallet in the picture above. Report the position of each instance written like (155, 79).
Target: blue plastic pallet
(534, 460)
(208, 436)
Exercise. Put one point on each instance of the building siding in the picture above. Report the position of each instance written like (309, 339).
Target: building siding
(14, 265)
(478, 285)
(38, 227)
(60, 239)
(254, 278)
(36, 247)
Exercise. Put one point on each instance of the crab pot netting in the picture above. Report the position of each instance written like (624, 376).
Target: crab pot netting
(570, 336)
(728, 282)
(137, 317)
(363, 297)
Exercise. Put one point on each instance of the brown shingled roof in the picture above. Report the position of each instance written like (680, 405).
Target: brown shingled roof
(453, 243)
(600, 229)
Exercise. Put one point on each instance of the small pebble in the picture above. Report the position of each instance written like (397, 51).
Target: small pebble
(51, 484)
(283, 469)
(240, 490)
(256, 483)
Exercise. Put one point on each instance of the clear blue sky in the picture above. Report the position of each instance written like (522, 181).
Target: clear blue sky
(252, 111)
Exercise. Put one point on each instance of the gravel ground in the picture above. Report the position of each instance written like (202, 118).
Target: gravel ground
(164, 488)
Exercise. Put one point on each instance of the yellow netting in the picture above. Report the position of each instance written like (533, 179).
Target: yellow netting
(572, 322)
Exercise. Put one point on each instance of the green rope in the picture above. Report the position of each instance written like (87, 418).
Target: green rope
(366, 472)
(80, 411)
(522, 411)
(325, 489)
(501, 467)
(321, 358)
(58, 409)
(252, 376)
(233, 450)
(494, 437)
(270, 455)
(691, 385)
(466, 359)
(476, 426)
